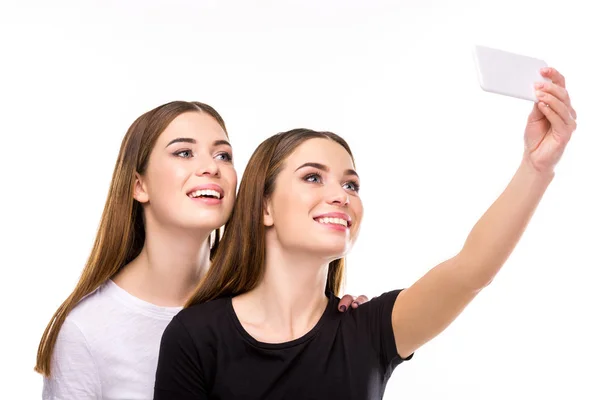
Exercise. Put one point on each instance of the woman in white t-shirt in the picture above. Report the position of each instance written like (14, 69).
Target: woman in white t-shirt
(173, 187)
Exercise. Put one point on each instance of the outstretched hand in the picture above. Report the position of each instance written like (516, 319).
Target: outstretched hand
(550, 123)
(350, 301)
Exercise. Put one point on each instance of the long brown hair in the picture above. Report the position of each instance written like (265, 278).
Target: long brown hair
(121, 233)
(239, 263)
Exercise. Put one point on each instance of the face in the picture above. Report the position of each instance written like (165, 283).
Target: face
(190, 181)
(315, 206)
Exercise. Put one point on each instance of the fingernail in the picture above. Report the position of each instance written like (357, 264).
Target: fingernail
(539, 93)
(343, 308)
(545, 70)
(539, 85)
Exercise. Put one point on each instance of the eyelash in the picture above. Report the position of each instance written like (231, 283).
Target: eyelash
(228, 156)
(314, 174)
(178, 153)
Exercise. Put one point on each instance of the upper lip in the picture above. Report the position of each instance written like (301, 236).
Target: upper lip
(208, 186)
(340, 215)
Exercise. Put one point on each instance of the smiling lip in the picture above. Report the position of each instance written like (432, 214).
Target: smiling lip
(208, 186)
(209, 201)
(339, 215)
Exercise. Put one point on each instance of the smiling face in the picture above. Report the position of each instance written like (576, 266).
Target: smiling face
(315, 206)
(190, 181)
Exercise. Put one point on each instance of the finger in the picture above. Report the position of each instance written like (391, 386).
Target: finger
(557, 91)
(555, 76)
(359, 300)
(345, 303)
(558, 107)
(553, 117)
(559, 88)
(562, 131)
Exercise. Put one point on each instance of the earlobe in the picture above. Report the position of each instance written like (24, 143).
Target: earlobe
(139, 190)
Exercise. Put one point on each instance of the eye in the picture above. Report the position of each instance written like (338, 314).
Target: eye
(313, 178)
(183, 153)
(351, 185)
(225, 156)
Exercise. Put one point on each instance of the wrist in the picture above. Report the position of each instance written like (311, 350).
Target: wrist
(534, 175)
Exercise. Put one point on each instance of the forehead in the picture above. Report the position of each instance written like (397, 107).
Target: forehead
(322, 151)
(196, 125)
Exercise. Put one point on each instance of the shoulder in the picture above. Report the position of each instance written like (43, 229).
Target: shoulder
(74, 368)
(205, 313)
(90, 311)
(73, 362)
(379, 307)
(85, 313)
(202, 321)
(187, 361)
(83, 328)
(95, 302)
(389, 296)
(383, 300)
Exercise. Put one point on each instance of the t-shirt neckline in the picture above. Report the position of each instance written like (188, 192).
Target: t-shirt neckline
(329, 309)
(139, 305)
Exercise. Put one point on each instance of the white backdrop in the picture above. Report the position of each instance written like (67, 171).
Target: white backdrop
(396, 79)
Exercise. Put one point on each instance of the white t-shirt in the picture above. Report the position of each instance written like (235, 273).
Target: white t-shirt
(108, 348)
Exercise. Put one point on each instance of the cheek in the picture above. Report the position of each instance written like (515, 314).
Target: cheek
(357, 210)
(167, 179)
(307, 203)
(230, 176)
(228, 182)
(288, 208)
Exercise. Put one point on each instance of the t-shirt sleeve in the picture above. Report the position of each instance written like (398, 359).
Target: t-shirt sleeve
(179, 373)
(376, 318)
(73, 372)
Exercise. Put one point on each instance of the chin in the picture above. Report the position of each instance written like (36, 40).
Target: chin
(206, 222)
(331, 251)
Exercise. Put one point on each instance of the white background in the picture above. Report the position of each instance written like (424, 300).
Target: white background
(397, 80)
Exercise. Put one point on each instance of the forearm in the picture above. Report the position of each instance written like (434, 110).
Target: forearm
(427, 307)
(495, 235)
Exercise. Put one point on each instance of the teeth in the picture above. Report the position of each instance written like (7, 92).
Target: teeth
(338, 221)
(206, 192)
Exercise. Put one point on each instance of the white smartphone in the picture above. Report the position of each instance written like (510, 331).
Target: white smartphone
(508, 74)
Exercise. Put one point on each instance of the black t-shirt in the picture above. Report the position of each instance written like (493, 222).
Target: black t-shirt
(205, 353)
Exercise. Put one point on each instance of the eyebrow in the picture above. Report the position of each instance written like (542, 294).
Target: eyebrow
(325, 168)
(193, 141)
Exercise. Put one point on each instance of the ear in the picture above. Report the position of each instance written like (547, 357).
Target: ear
(267, 213)
(140, 192)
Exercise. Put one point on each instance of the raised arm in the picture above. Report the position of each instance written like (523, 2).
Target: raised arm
(425, 309)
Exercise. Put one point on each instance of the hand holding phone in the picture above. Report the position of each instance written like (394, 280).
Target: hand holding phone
(508, 74)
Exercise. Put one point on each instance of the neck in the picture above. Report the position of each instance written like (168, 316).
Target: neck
(168, 268)
(290, 299)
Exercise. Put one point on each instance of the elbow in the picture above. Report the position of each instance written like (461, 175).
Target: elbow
(486, 282)
(479, 281)
(476, 284)
(472, 275)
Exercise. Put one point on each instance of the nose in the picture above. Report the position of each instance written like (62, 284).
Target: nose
(207, 166)
(338, 197)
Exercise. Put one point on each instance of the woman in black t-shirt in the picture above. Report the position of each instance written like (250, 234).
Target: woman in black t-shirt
(261, 325)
